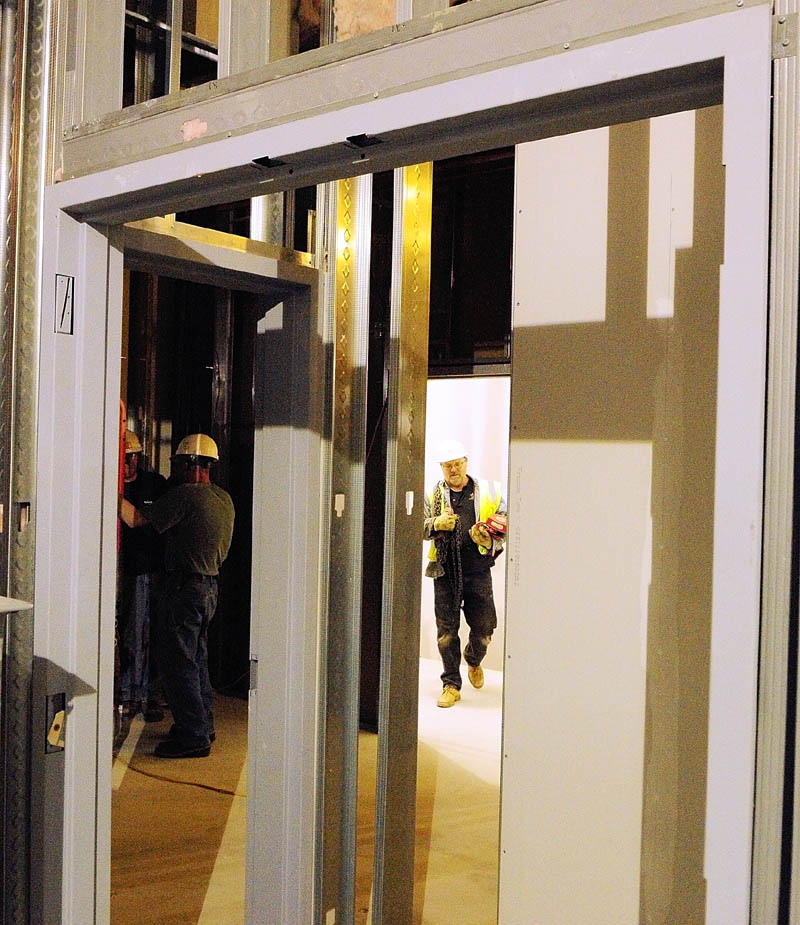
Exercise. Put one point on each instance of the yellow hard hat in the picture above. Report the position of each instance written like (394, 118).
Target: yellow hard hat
(132, 444)
(198, 445)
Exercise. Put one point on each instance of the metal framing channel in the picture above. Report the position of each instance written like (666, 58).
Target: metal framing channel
(393, 880)
(10, 45)
(325, 246)
(19, 651)
(369, 70)
(89, 39)
(350, 345)
(245, 42)
(327, 24)
(173, 63)
(12, 27)
(779, 498)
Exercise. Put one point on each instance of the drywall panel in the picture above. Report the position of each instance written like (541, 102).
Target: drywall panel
(484, 433)
(562, 215)
(671, 213)
(581, 393)
(580, 641)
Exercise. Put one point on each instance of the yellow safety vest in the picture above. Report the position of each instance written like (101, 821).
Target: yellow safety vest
(489, 498)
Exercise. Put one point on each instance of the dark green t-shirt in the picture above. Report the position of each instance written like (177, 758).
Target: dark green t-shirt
(197, 521)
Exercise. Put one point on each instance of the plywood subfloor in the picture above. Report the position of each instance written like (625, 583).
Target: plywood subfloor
(168, 821)
(178, 827)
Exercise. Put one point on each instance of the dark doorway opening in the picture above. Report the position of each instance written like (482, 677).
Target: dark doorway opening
(189, 369)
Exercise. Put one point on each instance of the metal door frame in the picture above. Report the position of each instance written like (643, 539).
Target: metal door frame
(81, 240)
(290, 356)
(78, 782)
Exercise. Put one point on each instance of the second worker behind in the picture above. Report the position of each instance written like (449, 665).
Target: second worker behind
(196, 518)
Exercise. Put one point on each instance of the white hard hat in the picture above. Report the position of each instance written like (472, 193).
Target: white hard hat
(198, 445)
(450, 449)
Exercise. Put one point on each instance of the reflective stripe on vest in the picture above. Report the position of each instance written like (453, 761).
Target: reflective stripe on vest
(489, 503)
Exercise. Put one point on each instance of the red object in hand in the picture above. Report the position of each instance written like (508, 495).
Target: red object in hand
(496, 524)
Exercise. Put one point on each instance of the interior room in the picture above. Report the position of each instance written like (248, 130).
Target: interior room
(471, 397)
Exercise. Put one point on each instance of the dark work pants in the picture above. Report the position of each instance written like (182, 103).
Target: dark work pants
(479, 612)
(188, 605)
(134, 638)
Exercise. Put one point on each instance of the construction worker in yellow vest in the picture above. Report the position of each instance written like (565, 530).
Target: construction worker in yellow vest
(465, 520)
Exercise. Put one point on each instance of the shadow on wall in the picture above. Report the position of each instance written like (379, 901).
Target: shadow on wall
(649, 379)
(48, 787)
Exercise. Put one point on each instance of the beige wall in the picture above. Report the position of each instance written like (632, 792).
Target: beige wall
(611, 492)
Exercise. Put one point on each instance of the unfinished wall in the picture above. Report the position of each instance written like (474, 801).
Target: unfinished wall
(617, 255)
(357, 17)
(201, 18)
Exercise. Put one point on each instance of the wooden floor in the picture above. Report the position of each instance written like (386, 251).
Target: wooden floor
(178, 827)
(168, 820)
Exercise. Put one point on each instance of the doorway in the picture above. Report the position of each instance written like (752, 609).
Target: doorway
(246, 351)
(742, 298)
(187, 367)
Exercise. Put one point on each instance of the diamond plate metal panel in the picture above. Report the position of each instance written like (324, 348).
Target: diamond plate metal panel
(23, 463)
(351, 320)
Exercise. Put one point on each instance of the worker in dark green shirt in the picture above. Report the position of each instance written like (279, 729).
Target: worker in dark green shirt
(196, 519)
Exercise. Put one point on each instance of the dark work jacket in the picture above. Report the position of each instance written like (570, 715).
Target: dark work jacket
(142, 547)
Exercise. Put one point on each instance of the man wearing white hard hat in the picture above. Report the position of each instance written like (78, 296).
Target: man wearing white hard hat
(196, 518)
(465, 520)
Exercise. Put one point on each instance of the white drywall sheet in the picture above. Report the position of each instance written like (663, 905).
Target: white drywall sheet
(561, 222)
(671, 206)
(574, 731)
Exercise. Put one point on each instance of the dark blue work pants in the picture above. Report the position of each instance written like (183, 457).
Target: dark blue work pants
(188, 605)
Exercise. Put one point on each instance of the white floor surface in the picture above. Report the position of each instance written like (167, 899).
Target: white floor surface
(468, 733)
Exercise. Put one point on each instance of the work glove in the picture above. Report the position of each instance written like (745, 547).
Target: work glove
(446, 521)
(480, 535)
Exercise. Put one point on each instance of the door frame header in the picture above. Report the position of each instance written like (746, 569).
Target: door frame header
(316, 142)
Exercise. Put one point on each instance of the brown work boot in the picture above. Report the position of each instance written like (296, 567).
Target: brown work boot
(475, 675)
(449, 696)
